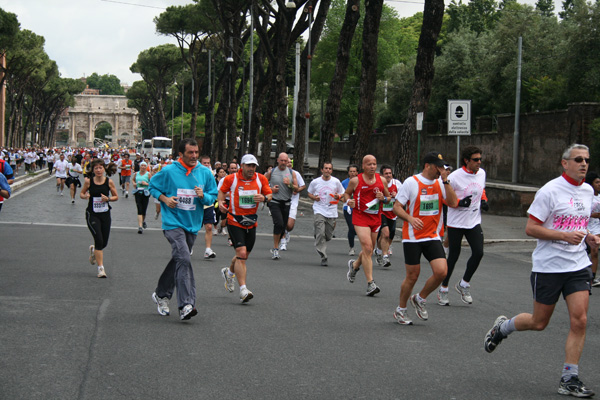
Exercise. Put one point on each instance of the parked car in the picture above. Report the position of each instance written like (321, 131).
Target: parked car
(289, 148)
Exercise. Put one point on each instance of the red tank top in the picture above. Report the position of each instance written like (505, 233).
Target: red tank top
(364, 195)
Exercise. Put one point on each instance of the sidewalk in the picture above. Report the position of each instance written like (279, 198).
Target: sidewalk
(25, 179)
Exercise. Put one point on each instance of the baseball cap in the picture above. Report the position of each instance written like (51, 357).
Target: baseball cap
(249, 159)
(436, 158)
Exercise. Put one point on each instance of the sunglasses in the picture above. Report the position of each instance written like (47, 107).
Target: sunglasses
(579, 159)
(476, 159)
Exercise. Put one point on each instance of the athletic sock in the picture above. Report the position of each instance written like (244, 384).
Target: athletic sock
(400, 309)
(508, 327)
(464, 284)
(229, 273)
(242, 287)
(419, 298)
(443, 289)
(569, 370)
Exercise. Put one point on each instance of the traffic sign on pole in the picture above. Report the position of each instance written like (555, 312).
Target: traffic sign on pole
(459, 117)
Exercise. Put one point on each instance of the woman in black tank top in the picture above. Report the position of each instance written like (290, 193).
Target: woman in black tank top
(100, 191)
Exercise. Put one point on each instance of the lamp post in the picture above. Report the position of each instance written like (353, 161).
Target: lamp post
(173, 112)
(307, 114)
(182, 104)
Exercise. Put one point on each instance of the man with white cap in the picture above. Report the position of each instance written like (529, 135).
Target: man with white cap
(247, 190)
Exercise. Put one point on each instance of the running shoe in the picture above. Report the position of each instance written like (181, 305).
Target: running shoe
(72, 201)
(386, 262)
(390, 250)
(379, 258)
(287, 237)
(419, 307)
(402, 318)
(228, 279)
(274, 254)
(245, 295)
(596, 282)
(372, 289)
(126, 195)
(443, 298)
(574, 387)
(61, 193)
(465, 293)
(101, 272)
(229, 242)
(324, 261)
(162, 304)
(283, 245)
(209, 254)
(446, 250)
(92, 255)
(224, 231)
(187, 312)
(351, 271)
(493, 337)
(144, 225)
(140, 230)
(351, 252)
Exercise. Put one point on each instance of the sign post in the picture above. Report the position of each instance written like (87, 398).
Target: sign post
(419, 129)
(459, 122)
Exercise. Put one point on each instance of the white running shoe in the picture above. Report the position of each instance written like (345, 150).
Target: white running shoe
(465, 293)
(245, 295)
(92, 255)
(386, 262)
(187, 312)
(274, 254)
(209, 254)
(283, 245)
(351, 252)
(419, 307)
(228, 279)
(101, 272)
(224, 231)
(162, 304)
(443, 298)
(402, 318)
(351, 274)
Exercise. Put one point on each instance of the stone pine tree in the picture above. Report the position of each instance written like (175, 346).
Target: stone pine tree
(424, 71)
(368, 81)
(332, 112)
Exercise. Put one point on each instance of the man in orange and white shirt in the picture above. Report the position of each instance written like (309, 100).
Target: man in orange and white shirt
(247, 189)
(126, 166)
(419, 203)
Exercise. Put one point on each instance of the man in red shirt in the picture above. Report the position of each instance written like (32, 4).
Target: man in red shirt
(365, 192)
(247, 190)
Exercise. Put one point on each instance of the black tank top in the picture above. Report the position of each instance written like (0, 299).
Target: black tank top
(97, 191)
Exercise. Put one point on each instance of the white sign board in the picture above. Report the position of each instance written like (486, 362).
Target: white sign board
(459, 117)
(419, 121)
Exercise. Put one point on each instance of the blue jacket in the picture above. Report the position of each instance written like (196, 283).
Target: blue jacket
(172, 181)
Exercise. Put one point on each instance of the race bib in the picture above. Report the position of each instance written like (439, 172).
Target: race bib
(389, 206)
(372, 207)
(429, 204)
(98, 205)
(185, 198)
(246, 198)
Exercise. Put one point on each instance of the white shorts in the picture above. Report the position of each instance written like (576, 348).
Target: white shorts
(294, 206)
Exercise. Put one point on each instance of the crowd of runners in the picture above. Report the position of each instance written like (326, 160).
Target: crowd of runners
(437, 207)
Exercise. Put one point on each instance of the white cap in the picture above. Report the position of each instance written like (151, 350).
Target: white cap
(249, 159)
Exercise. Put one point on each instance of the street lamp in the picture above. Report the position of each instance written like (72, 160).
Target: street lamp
(308, 62)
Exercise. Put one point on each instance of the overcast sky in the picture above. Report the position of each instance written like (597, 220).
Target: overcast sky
(86, 36)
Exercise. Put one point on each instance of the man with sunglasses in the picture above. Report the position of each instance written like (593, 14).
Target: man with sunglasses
(558, 218)
(468, 183)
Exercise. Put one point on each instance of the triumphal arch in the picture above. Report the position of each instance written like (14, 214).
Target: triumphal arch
(91, 110)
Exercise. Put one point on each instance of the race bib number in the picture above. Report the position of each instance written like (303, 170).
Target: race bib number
(246, 198)
(372, 207)
(429, 205)
(98, 205)
(185, 198)
(389, 206)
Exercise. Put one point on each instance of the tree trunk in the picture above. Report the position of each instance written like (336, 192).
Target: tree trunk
(424, 72)
(269, 122)
(368, 81)
(332, 112)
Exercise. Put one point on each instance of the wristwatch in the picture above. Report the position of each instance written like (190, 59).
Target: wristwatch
(446, 182)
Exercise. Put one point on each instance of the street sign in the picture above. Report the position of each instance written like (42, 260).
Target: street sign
(459, 117)
(419, 121)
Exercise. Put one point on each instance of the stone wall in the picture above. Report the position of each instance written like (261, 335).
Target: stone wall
(543, 138)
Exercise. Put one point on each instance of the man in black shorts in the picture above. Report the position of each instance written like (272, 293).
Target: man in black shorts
(209, 218)
(558, 218)
(247, 190)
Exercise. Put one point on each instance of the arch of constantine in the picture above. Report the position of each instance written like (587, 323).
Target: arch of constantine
(91, 110)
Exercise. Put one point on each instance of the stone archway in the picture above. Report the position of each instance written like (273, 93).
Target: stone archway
(91, 110)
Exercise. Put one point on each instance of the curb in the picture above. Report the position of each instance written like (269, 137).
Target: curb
(25, 180)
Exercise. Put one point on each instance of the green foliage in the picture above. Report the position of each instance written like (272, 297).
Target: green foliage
(102, 130)
(9, 26)
(107, 84)
(545, 7)
(595, 145)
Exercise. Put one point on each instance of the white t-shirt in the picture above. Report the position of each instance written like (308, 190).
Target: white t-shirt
(74, 169)
(61, 168)
(594, 224)
(324, 189)
(466, 184)
(296, 196)
(561, 206)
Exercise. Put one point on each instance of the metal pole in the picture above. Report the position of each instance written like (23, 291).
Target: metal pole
(173, 116)
(307, 115)
(251, 78)
(296, 89)
(182, 104)
(515, 165)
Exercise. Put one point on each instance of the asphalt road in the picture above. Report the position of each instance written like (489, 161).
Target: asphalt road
(307, 334)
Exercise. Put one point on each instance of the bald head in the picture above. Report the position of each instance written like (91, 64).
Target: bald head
(282, 161)
(369, 165)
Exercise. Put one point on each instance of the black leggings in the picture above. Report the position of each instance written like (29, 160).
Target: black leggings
(351, 231)
(99, 225)
(474, 237)
(280, 211)
(141, 202)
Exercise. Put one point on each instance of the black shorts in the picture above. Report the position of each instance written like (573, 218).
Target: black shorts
(242, 237)
(431, 249)
(390, 223)
(547, 287)
(209, 216)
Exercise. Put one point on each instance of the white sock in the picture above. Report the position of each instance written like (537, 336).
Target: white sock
(464, 284)
(400, 309)
(229, 273)
(242, 287)
(443, 289)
